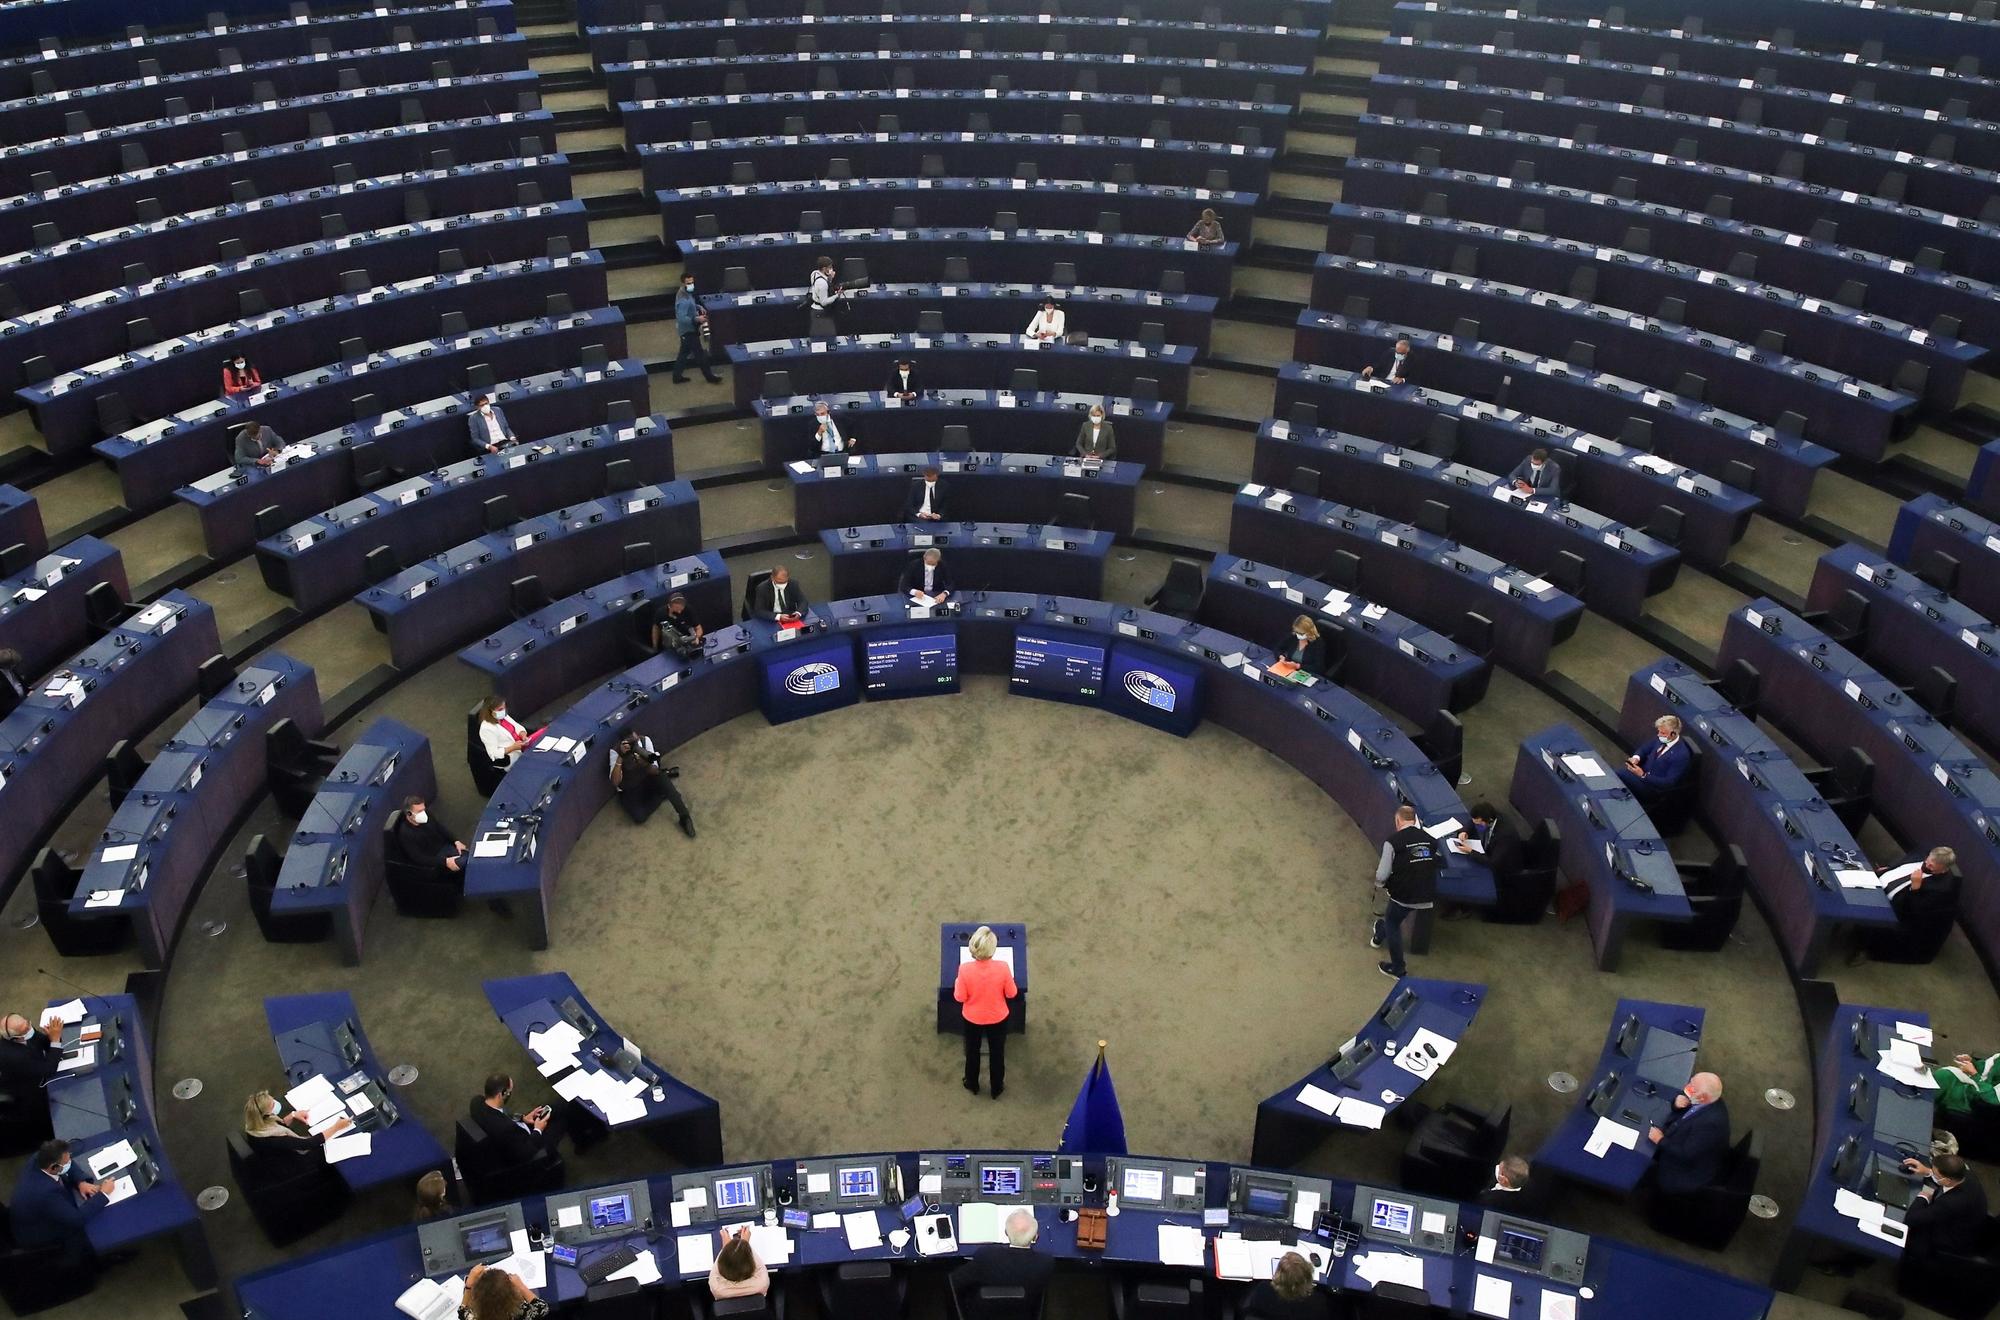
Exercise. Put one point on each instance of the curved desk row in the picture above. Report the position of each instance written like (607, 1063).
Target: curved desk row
(1751, 794)
(1436, 580)
(1609, 843)
(328, 469)
(1864, 1117)
(1685, 429)
(1918, 294)
(52, 747)
(174, 373)
(859, 489)
(1913, 628)
(47, 270)
(1123, 114)
(1037, 558)
(151, 861)
(1125, 261)
(955, 201)
(1625, 482)
(322, 558)
(105, 1111)
(1044, 421)
(334, 863)
(599, 13)
(450, 598)
(552, 1020)
(1648, 1058)
(1003, 309)
(1402, 1045)
(703, 162)
(21, 521)
(1931, 525)
(1246, 1202)
(90, 206)
(90, 327)
(1929, 787)
(592, 632)
(1936, 35)
(44, 608)
(1619, 565)
(1408, 667)
(87, 65)
(1352, 752)
(1761, 385)
(188, 445)
(1836, 336)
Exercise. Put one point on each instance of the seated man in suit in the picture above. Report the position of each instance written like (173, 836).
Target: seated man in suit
(421, 841)
(1510, 1186)
(826, 437)
(779, 596)
(1397, 370)
(1657, 769)
(1926, 904)
(926, 581)
(1500, 848)
(29, 1057)
(1017, 1264)
(1290, 1293)
(902, 382)
(487, 427)
(1537, 474)
(1096, 438)
(53, 1205)
(516, 1138)
(13, 683)
(1695, 1140)
(926, 499)
(257, 445)
(1949, 1212)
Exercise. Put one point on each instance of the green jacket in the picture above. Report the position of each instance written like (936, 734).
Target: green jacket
(1958, 1095)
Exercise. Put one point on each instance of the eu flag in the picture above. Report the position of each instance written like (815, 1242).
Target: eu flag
(1095, 1124)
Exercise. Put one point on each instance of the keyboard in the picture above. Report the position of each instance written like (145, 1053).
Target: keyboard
(600, 1268)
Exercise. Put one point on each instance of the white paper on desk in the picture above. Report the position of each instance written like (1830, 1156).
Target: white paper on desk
(493, 847)
(431, 1299)
(1442, 828)
(826, 1219)
(561, 1038)
(1901, 871)
(1856, 1206)
(1858, 879)
(772, 1245)
(1005, 954)
(573, 1086)
(112, 1158)
(1608, 1134)
(70, 1012)
(1558, 1306)
(643, 1271)
(1891, 1231)
(694, 1253)
(1232, 1257)
(1910, 1031)
(83, 1058)
(347, 1146)
(1426, 1053)
(1492, 1295)
(1583, 765)
(551, 1066)
(1356, 1112)
(1180, 1245)
(979, 1221)
(677, 1214)
(1379, 1267)
(124, 852)
(864, 1230)
(312, 1093)
(321, 1119)
(529, 1266)
(1905, 1052)
(1918, 1077)
(624, 1109)
(1312, 1097)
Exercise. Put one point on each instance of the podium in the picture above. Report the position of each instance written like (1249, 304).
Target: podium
(952, 939)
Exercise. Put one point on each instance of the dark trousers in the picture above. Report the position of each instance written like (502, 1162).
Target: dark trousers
(995, 1037)
(644, 790)
(691, 350)
(1389, 926)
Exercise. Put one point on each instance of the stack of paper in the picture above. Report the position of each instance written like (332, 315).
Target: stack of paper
(70, 1012)
(1608, 1134)
(980, 1221)
(1870, 1216)
(1004, 954)
(1583, 766)
(1558, 1306)
(347, 1146)
(694, 1253)
(1379, 1267)
(864, 1230)
(1181, 1246)
(772, 1245)
(1356, 1112)
(432, 1299)
(1492, 1295)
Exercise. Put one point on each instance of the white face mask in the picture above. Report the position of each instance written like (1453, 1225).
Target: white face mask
(1097, 420)
(1296, 633)
(500, 713)
(62, 1170)
(419, 817)
(239, 364)
(689, 286)
(485, 410)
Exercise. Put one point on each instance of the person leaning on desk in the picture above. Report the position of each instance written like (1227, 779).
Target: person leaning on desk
(1016, 1265)
(674, 629)
(1207, 231)
(926, 581)
(1399, 365)
(1096, 438)
(270, 1136)
(737, 1272)
(1925, 901)
(257, 445)
(493, 1294)
(1303, 649)
(984, 986)
(29, 1056)
(1289, 1294)
(239, 376)
(54, 1204)
(1047, 323)
(1537, 474)
(778, 597)
(1694, 1140)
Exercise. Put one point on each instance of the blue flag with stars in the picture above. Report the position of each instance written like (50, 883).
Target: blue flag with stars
(1095, 1125)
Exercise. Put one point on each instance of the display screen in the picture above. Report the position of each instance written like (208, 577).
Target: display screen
(1520, 1246)
(1064, 668)
(1391, 1217)
(805, 680)
(611, 1211)
(1267, 1202)
(857, 1183)
(1144, 1184)
(999, 1180)
(735, 1193)
(909, 664)
(1144, 685)
(486, 1238)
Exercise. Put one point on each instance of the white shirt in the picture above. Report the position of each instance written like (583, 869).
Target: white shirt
(903, 382)
(830, 439)
(930, 572)
(822, 289)
(930, 488)
(495, 735)
(1397, 361)
(778, 596)
(1047, 323)
(494, 435)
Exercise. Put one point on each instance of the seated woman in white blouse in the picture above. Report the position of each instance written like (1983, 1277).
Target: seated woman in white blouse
(502, 738)
(1048, 323)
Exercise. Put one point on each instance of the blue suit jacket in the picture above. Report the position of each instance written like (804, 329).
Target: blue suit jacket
(46, 1212)
(1664, 766)
(475, 428)
(1549, 482)
(1692, 1149)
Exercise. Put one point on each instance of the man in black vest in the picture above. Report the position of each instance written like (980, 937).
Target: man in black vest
(1408, 871)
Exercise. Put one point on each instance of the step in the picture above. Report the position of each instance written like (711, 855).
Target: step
(626, 256)
(559, 40)
(1262, 311)
(598, 160)
(1308, 194)
(612, 205)
(564, 82)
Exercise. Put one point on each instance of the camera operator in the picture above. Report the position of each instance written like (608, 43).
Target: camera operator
(674, 629)
(641, 782)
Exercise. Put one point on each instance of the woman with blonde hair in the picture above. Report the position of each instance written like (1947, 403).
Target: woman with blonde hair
(492, 1294)
(268, 1134)
(1207, 231)
(984, 986)
(1289, 1294)
(737, 1272)
(1304, 648)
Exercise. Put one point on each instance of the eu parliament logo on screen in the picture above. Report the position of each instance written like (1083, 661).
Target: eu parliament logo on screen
(1144, 685)
(810, 680)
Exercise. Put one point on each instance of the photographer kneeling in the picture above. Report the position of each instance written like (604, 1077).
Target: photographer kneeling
(641, 782)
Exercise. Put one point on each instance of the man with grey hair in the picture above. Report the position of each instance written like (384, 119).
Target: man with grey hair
(1016, 1265)
(1655, 770)
(1925, 900)
(27, 1055)
(926, 581)
(1693, 1140)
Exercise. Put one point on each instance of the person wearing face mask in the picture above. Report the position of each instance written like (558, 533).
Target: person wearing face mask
(516, 1138)
(1398, 370)
(1048, 323)
(1925, 901)
(1537, 474)
(1096, 438)
(503, 738)
(827, 438)
(926, 581)
(239, 377)
(1694, 1140)
(53, 1205)
(257, 445)
(273, 1134)
(779, 597)
(1656, 769)
(487, 426)
(690, 318)
(29, 1057)
(926, 499)
(902, 382)
(423, 842)
(1303, 649)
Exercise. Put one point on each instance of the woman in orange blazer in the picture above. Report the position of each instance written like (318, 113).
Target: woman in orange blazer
(984, 986)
